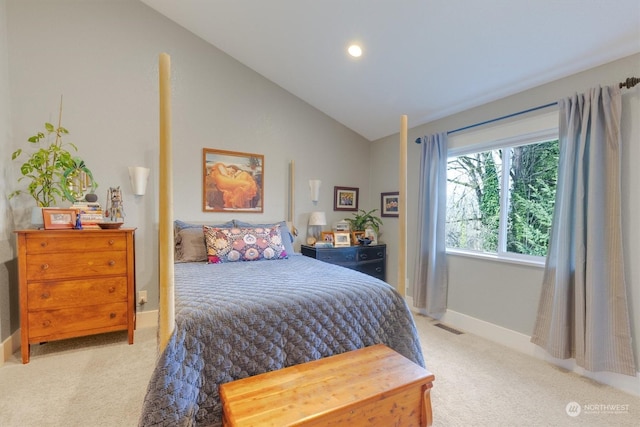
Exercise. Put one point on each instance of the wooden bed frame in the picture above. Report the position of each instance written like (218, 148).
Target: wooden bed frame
(165, 238)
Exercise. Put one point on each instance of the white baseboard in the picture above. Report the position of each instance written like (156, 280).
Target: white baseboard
(9, 346)
(147, 319)
(521, 342)
(144, 319)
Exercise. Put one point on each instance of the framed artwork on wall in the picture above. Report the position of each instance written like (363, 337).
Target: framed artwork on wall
(389, 204)
(232, 181)
(345, 199)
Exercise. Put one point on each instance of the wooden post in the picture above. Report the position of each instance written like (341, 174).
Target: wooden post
(165, 235)
(402, 209)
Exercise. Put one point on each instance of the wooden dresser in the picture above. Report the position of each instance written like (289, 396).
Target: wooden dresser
(371, 259)
(75, 283)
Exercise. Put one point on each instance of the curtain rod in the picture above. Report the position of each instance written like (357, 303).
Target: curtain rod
(628, 83)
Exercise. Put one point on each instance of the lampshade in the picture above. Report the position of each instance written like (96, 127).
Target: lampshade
(139, 176)
(317, 218)
(314, 186)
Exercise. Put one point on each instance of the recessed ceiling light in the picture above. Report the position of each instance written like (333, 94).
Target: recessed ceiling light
(355, 50)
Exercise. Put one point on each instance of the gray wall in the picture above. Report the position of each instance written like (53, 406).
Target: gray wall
(501, 293)
(102, 56)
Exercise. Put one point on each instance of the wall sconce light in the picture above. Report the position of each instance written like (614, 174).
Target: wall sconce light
(139, 176)
(314, 186)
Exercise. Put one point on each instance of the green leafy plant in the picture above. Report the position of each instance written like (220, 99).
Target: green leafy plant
(363, 219)
(48, 168)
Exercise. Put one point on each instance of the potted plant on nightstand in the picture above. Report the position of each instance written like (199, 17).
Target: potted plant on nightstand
(50, 168)
(362, 220)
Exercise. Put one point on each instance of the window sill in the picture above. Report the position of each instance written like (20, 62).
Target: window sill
(529, 261)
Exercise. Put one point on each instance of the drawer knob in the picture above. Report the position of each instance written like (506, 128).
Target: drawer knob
(112, 315)
(112, 289)
(364, 256)
(379, 269)
(43, 244)
(45, 295)
(112, 262)
(44, 267)
(46, 323)
(111, 242)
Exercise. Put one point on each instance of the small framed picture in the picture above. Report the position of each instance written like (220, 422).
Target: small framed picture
(355, 235)
(345, 199)
(389, 203)
(55, 218)
(327, 236)
(341, 239)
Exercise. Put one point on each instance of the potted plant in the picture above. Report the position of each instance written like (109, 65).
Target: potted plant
(363, 219)
(51, 168)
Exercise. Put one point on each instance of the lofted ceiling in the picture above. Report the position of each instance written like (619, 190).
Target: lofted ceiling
(424, 58)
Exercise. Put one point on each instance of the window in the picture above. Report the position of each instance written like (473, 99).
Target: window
(481, 216)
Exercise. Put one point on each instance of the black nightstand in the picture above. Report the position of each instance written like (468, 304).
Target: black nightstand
(370, 259)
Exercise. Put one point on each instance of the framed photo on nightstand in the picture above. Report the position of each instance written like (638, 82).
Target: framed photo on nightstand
(341, 239)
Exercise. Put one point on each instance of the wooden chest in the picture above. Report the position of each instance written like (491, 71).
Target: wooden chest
(75, 283)
(373, 386)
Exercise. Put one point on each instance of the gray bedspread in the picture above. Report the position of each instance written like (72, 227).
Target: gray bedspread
(241, 319)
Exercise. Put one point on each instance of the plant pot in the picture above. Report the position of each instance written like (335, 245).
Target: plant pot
(37, 221)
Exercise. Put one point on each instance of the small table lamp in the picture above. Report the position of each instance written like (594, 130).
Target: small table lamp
(316, 221)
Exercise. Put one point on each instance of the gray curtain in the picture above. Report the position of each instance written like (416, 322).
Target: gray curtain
(583, 311)
(430, 286)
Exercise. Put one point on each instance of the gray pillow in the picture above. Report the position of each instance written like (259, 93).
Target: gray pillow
(190, 245)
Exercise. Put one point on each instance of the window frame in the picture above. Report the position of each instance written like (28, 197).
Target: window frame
(537, 129)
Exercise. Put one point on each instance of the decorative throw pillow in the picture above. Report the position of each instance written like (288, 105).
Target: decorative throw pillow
(287, 237)
(189, 241)
(243, 244)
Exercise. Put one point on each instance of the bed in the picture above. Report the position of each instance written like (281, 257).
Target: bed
(238, 319)
(220, 321)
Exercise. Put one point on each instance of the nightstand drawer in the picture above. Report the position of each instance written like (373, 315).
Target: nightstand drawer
(375, 269)
(371, 253)
(74, 293)
(337, 256)
(56, 266)
(54, 323)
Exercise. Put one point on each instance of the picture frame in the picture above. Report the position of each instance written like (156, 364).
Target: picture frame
(327, 236)
(341, 239)
(232, 181)
(389, 204)
(372, 235)
(59, 219)
(345, 199)
(355, 235)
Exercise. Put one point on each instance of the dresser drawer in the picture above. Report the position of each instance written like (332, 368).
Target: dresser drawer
(372, 253)
(81, 243)
(74, 293)
(56, 266)
(334, 256)
(54, 324)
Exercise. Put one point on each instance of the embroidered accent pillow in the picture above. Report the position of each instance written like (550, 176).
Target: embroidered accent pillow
(243, 244)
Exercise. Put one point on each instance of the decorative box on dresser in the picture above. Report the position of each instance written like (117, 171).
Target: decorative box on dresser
(75, 283)
(371, 259)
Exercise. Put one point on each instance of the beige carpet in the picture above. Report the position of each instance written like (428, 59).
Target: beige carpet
(101, 381)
